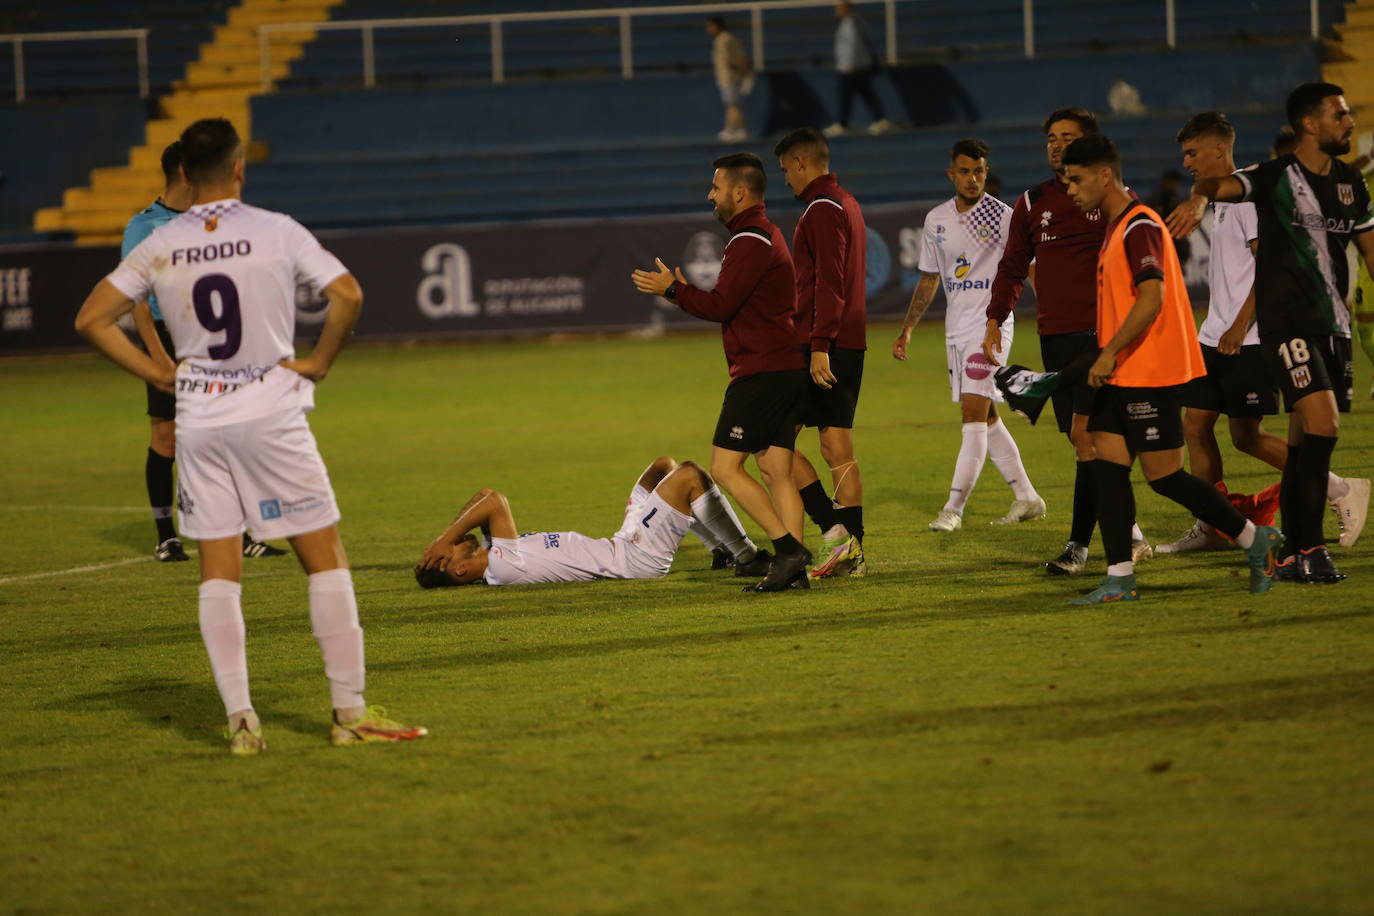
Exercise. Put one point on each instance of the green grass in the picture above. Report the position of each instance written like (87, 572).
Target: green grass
(945, 736)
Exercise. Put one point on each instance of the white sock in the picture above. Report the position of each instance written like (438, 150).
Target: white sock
(334, 622)
(1136, 533)
(705, 534)
(972, 453)
(713, 511)
(221, 629)
(1246, 536)
(1121, 569)
(1336, 487)
(1004, 453)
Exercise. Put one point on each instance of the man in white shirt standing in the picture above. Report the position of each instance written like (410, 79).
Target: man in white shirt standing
(1237, 383)
(226, 274)
(962, 244)
(734, 78)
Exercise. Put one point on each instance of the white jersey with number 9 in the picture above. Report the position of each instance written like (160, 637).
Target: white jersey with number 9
(225, 275)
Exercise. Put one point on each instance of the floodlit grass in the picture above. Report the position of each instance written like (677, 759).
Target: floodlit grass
(945, 736)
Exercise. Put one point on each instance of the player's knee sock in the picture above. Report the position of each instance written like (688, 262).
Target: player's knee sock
(1006, 456)
(1117, 499)
(704, 533)
(157, 473)
(713, 511)
(1314, 464)
(221, 629)
(1290, 516)
(973, 452)
(334, 622)
(852, 517)
(1085, 492)
(1203, 500)
(818, 505)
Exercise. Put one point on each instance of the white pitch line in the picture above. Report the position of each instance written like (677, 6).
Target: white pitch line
(74, 569)
(4, 508)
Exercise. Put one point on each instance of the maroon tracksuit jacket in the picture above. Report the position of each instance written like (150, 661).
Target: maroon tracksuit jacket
(829, 248)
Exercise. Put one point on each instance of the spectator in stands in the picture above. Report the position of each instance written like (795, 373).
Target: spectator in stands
(1165, 199)
(856, 61)
(1285, 141)
(734, 77)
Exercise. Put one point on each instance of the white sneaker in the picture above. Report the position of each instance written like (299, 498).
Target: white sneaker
(880, 126)
(836, 130)
(725, 135)
(1195, 538)
(1351, 510)
(1141, 550)
(947, 521)
(1022, 510)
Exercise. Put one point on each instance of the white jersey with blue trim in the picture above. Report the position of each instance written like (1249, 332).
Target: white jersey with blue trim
(225, 275)
(964, 249)
(552, 556)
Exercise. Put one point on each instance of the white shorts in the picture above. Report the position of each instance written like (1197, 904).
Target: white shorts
(650, 535)
(264, 474)
(969, 370)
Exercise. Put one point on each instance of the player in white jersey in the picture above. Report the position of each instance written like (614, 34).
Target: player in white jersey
(667, 500)
(225, 274)
(961, 246)
(1237, 382)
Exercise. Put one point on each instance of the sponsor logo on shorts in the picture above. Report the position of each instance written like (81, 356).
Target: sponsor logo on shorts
(551, 542)
(184, 501)
(1151, 433)
(275, 508)
(1252, 398)
(737, 432)
(1142, 410)
(1301, 376)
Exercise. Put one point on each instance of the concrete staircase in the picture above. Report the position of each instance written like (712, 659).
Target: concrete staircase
(219, 83)
(1350, 62)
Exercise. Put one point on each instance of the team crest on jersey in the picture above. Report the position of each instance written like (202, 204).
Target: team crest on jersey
(212, 224)
(1346, 193)
(1301, 376)
(1046, 217)
(1093, 215)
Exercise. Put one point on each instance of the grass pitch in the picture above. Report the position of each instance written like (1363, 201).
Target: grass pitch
(945, 736)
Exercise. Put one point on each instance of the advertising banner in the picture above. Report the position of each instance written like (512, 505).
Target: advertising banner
(476, 280)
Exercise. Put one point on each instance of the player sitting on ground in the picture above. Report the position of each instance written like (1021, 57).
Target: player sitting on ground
(667, 500)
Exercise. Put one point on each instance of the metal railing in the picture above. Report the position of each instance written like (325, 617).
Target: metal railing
(624, 15)
(19, 38)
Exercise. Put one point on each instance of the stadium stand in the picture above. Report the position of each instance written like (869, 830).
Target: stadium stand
(436, 141)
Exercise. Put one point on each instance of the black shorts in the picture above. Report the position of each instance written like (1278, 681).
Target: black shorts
(1150, 419)
(1237, 385)
(1300, 365)
(836, 405)
(762, 410)
(1056, 352)
(161, 404)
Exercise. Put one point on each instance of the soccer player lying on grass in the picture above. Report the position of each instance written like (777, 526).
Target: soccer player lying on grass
(667, 501)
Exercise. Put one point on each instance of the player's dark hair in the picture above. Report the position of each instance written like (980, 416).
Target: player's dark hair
(208, 149)
(718, 23)
(1207, 124)
(433, 578)
(971, 147)
(1093, 150)
(745, 169)
(171, 161)
(1307, 100)
(805, 141)
(1081, 116)
(1285, 141)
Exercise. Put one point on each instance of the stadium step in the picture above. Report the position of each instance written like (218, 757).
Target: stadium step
(219, 83)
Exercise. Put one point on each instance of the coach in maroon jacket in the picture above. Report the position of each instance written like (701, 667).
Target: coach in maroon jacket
(1048, 229)
(754, 301)
(829, 248)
